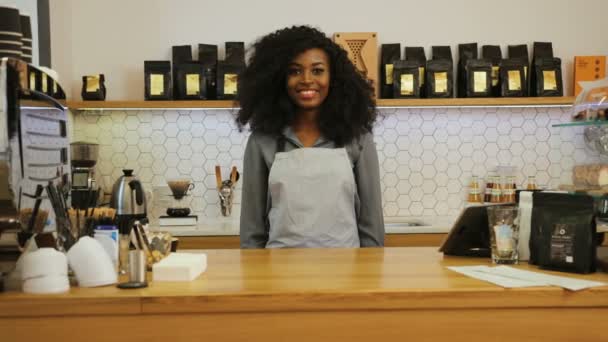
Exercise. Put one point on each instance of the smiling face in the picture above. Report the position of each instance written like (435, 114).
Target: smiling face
(308, 79)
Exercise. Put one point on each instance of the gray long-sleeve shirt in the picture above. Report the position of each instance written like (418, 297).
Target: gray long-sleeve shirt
(256, 201)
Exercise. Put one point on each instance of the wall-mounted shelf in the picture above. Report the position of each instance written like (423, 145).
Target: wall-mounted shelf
(381, 103)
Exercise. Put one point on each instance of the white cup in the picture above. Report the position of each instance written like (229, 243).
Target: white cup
(91, 264)
(47, 285)
(44, 262)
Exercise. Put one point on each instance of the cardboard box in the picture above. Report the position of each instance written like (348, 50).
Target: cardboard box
(588, 68)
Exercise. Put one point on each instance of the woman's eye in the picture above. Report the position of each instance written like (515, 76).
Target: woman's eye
(318, 71)
(293, 71)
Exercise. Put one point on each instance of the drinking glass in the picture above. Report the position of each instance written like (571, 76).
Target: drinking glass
(504, 233)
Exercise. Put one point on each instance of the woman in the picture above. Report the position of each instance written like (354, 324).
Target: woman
(310, 173)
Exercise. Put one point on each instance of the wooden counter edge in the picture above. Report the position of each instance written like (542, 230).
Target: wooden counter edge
(48, 305)
(408, 299)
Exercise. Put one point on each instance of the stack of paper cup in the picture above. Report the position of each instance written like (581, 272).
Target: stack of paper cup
(91, 264)
(45, 271)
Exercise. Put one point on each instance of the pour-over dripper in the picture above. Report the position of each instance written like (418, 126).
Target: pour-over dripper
(180, 187)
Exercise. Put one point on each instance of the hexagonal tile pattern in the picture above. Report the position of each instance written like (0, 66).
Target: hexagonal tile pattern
(426, 156)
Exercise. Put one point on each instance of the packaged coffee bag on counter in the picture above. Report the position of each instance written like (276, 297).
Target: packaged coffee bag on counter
(512, 78)
(478, 74)
(227, 79)
(180, 54)
(157, 80)
(93, 88)
(190, 81)
(494, 55)
(235, 53)
(389, 53)
(417, 54)
(439, 78)
(465, 53)
(406, 79)
(562, 235)
(547, 77)
(520, 52)
(207, 56)
(541, 50)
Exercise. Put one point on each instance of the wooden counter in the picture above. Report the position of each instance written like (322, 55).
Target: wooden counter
(303, 294)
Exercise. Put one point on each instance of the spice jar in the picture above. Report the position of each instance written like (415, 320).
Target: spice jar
(474, 191)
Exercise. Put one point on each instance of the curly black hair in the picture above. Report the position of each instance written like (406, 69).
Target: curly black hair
(348, 111)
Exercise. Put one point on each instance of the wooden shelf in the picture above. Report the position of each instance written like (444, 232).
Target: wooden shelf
(209, 104)
(381, 103)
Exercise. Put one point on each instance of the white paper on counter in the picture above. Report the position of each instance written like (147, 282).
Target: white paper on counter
(510, 277)
(572, 284)
(485, 273)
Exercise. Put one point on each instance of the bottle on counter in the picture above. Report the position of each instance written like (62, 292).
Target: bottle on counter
(496, 194)
(531, 183)
(488, 190)
(509, 190)
(474, 191)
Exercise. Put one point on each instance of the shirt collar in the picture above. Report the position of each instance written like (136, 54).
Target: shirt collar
(290, 135)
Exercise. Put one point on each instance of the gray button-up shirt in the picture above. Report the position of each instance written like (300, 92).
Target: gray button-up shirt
(256, 201)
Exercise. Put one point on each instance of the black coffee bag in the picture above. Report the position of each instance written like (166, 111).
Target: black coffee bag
(540, 50)
(389, 53)
(563, 230)
(180, 54)
(190, 81)
(478, 74)
(235, 53)
(512, 78)
(521, 52)
(406, 79)
(157, 80)
(93, 88)
(494, 55)
(227, 79)
(442, 52)
(439, 78)
(547, 77)
(207, 56)
(417, 54)
(465, 53)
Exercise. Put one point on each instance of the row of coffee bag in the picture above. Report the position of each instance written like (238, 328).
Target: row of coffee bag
(488, 76)
(204, 79)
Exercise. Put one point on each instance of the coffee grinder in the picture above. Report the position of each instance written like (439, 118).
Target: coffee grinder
(84, 184)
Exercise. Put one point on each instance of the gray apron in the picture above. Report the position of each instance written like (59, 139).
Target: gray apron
(313, 199)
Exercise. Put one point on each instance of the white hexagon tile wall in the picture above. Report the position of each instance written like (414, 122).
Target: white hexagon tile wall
(427, 156)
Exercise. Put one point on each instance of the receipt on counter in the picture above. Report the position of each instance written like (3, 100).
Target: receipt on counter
(510, 277)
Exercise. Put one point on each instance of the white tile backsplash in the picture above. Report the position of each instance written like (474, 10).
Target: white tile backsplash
(427, 155)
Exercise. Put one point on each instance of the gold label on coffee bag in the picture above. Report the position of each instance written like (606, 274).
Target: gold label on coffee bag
(157, 84)
(495, 73)
(32, 81)
(230, 82)
(45, 87)
(407, 84)
(479, 81)
(514, 80)
(388, 68)
(193, 86)
(421, 76)
(441, 82)
(92, 84)
(549, 82)
(525, 72)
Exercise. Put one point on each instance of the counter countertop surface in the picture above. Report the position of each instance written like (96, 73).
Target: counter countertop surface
(310, 279)
(231, 228)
